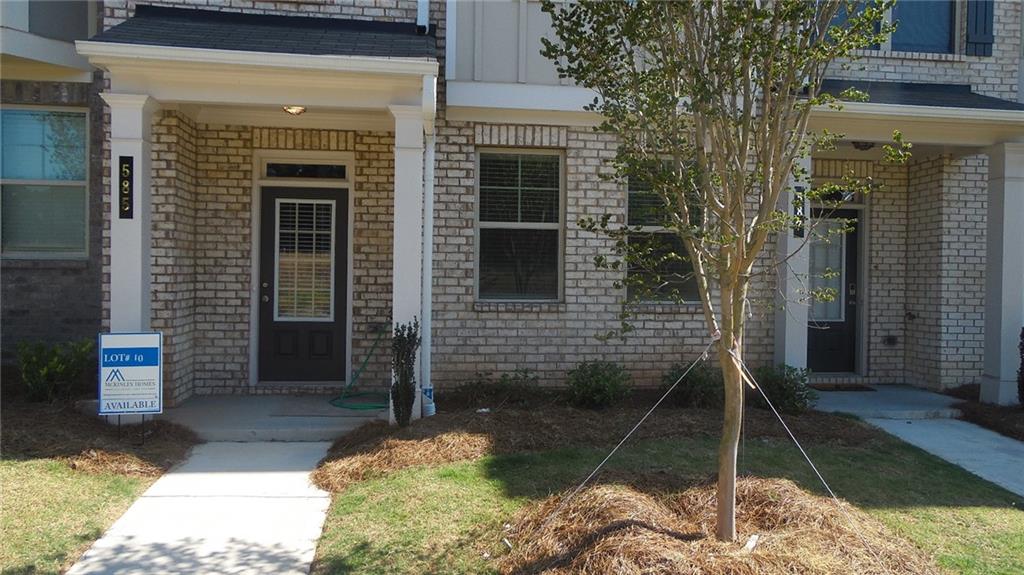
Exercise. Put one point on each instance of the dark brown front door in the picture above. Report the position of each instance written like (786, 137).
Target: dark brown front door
(303, 267)
(832, 325)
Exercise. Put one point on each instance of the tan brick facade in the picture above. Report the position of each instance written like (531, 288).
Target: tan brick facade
(925, 242)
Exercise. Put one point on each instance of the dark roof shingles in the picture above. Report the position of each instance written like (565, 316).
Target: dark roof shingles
(214, 30)
(908, 94)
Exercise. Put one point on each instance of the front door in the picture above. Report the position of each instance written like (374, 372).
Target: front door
(303, 267)
(832, 325)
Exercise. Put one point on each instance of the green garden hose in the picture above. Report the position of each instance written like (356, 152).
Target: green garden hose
(364, 403)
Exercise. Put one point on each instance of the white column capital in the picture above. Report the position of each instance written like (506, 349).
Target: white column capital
(130, 115)
(408, 126)
(1006, 160)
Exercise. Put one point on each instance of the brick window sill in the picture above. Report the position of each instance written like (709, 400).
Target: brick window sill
(666, 308)
(919, 56)
(39, 264)
(519, 306)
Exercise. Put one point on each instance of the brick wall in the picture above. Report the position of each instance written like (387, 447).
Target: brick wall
(206, 230)
(174, 249)
(945, 270)
(550, 338)
(56, 300)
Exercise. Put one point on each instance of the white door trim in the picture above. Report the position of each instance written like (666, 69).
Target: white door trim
(260, 158)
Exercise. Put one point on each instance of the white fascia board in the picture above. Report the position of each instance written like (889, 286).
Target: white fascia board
(102, 53)
(537, 97)
(871, 109)
(47, 50)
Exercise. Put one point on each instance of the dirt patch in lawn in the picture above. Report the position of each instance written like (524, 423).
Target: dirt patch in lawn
(1005, 419)
(35, 431)
(618, 529)
(377, 449)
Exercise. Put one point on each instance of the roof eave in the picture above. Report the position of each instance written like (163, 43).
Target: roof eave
(935, 112)
(101, 54)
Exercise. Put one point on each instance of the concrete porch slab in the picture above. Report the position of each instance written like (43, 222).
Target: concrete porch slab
(889, 402)
(267, 417)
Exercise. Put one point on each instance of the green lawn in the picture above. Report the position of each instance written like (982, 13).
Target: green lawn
(450, 518)
(50, 513)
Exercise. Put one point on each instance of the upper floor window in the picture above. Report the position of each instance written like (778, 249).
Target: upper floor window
(519, 242)
(921, 26)
(924, 26)
(43, 183)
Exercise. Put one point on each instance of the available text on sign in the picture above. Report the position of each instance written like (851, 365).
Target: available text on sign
(130, 373)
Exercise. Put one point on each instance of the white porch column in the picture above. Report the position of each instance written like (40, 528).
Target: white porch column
(791, 295)
(131, 118)
(1004, 273)
(406, 290)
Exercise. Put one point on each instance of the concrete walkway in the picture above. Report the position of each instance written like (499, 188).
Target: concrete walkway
(231, 508)
(926, 420)
(985, 453)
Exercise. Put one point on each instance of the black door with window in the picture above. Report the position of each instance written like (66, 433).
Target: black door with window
(832, 325)
(303, 267)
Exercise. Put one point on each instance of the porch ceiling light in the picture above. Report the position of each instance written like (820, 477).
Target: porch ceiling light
(294, 110)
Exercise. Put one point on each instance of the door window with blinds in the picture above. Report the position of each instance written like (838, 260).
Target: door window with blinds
(519, 241)
(827, 265)
(304, 266)
(43, 183)
(670, 276)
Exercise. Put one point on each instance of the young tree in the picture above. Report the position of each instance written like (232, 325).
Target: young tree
(710, 101)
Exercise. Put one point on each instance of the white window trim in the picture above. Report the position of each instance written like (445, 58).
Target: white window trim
(277, 258)
(648, 229)
(560, 225)
(82, 255)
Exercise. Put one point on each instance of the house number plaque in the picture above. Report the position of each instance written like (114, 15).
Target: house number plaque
(125, 197)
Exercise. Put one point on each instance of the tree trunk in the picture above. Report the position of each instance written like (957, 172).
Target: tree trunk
(729, 446)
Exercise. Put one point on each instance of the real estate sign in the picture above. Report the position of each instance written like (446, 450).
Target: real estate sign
(130, 373)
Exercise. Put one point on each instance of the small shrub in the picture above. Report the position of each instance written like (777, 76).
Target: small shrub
(52, 372)
(404, 345)
(786, 387)
(518, 388)
(702, 387)
(598, 384)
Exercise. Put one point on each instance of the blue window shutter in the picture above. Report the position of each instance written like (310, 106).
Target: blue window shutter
(980, 33)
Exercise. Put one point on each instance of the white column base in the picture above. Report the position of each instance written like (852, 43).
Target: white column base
(999, 392)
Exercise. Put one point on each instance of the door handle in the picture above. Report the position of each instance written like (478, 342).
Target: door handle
(852, 289)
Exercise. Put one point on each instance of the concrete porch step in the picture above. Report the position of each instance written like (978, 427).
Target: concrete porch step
(889, 402)
(251, 418)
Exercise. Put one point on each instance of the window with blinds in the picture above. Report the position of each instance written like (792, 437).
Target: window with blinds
(669, 276)
(520, 226)
(305, 260)
(43, 183)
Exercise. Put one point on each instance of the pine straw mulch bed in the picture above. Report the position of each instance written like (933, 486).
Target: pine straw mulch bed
(376, 449)
(85, 443)
(1005, 419)
(618, 529)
